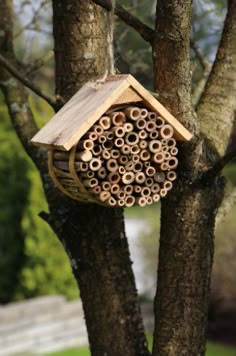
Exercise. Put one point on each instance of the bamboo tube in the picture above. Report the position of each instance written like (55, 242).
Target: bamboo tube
(128, 178)
(131, 138)
(163, 193)
(107, 145)
(145, 192)
(142, 134)
(121, 195)
(91, 135)
(145, 155)
(112, 201)
(167, 156)
(129, 166)
(158, 157)
(95, 164)
(143, 144)
(105, 122)
(164, 142)
(98, 129)
(123, 159)
(117, 118)
(88, 174)
(149, 200)
(133, 113)
(82, 166)
(104, 196)
(84, 156)
(135, 158)
(125, 149)
(86, 144)
(129, 201)
(96, 190)
(153, 135)
(174, 151)
(155, 146)
(128, 189)
(164, 166)
(172, 163)
(119, 131)
(128, 127)
(102, 173)
(168, 185)
(165, 149)
(151, 126)
(160, 122)
(106, 154)
(102, 139)
(135, 149)
(155, 188)
(166, 131)
(144, 113)
(121, 202)
(149, 182)
(109, 135)
(156, 198)
(112, 165)
(140, 177)
(171, 175)
(159, 177)
(152, 115)
(60, 155)
(140, 124)
(121, 170)
(147, 164)
(138, 166)
(115, 154)
(62, 165)
(90, 183)
(119, 142)
(97, 149)
(114, 177)
(115, 189)
(171, 142)
(137, 189)
(141, 201)
(106, 185)
(150, 171)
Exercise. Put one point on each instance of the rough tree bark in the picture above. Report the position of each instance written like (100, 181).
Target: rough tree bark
(94, 237)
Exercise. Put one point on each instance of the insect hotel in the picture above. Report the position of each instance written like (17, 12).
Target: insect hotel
(113, 144)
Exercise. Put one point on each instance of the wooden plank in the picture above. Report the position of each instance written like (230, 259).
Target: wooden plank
(128, 96)
(80, 113)
(181, 133)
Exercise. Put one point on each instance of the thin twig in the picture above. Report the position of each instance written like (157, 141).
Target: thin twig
(200, 56)
(27, 82)
(219, 165)
(228, 202)
(146, 32)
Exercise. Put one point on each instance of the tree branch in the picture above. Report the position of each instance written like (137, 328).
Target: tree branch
(28, 83)
(143, 30)
(218, 103)
(200, 86)
(228, 202)
(219, 166)
(200, 56)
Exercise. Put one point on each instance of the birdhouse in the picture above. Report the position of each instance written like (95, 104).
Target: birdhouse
(113, 144)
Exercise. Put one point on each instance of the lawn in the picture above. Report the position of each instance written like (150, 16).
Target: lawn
(212, 350)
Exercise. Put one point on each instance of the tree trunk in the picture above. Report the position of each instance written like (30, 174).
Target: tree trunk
(94, 236)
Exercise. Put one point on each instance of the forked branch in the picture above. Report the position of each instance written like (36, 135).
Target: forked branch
(146, 32)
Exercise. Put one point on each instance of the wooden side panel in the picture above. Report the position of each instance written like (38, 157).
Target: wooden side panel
(128, 96)
(80, 113)
(181, 133)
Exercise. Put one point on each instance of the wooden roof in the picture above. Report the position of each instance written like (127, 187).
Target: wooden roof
(76, 117)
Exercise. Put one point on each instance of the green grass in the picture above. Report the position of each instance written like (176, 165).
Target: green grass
(212, 350)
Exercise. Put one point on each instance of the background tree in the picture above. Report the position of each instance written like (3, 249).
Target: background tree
(99, 251)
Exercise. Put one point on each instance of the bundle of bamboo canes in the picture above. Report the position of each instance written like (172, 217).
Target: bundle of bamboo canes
(128, 157)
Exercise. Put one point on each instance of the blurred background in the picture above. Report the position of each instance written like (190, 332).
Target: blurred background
(30, 253)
